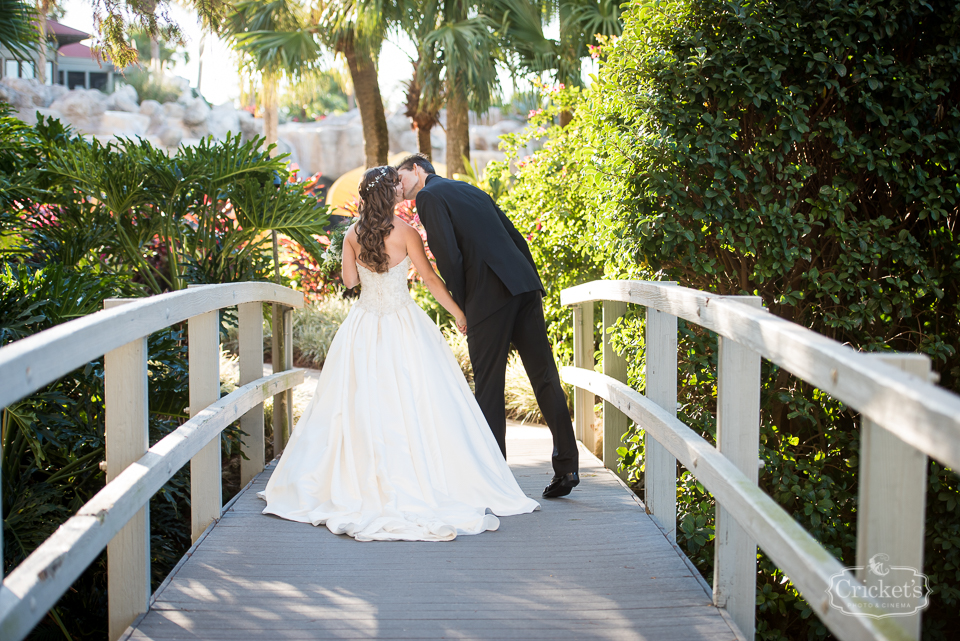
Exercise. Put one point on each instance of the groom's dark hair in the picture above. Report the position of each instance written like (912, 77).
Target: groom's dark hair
(416, 159)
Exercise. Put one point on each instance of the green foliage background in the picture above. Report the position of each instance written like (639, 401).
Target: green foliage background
(804, 152)
(81, 222)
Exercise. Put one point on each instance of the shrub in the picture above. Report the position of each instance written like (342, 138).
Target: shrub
(803, 152)
(53, 441)
(314, 327)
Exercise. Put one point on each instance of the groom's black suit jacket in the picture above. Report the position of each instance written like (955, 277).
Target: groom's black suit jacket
(482, 257)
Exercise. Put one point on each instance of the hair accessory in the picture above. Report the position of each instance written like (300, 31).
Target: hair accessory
(383, 172)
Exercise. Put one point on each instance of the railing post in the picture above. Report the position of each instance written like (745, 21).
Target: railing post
(892, 500)
(738, 439)
(583, 357)
(250, 335)
(206, 497)
(288, 364)
(660, 471)
(127, 439)
(282, 358)
(614, 366)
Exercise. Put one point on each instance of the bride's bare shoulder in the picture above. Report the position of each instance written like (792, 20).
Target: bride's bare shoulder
(400, 223)
(408, 230)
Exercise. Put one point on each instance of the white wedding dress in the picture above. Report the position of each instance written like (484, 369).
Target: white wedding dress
(393, 446)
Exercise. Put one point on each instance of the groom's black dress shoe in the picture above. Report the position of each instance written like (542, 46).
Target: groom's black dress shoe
(561, 485)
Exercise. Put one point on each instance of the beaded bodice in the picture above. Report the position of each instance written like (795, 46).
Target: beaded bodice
(384, 293)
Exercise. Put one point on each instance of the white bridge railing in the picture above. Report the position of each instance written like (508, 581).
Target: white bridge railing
(905, 418)
(117, 517)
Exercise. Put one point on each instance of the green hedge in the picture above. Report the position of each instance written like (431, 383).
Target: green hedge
(805, 152)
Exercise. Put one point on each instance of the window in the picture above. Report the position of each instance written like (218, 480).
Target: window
(61, 79)
(11, 69)
(27, 70)
(48, 77)
(98, 80)
(76, 79)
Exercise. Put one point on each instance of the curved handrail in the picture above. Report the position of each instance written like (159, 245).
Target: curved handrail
(916, 411)
(39, 581)
(30, 363)
(792, 548)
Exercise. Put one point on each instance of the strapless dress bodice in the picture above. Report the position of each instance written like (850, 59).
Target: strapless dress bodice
(385, 293)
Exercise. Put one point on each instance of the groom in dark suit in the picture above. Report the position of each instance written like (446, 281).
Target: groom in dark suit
(490, 273)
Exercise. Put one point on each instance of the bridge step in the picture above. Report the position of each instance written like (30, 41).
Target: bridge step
(594, 565)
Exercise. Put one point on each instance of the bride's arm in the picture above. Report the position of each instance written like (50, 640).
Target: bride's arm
(348, 266)
(430, 277)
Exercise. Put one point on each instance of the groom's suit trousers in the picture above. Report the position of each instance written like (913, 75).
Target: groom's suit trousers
(521, 322)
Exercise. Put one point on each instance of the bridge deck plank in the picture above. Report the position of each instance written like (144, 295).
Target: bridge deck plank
(592, 566)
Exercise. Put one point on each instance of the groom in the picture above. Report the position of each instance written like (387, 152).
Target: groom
(490, 273)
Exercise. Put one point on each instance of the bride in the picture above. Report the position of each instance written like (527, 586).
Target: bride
(393, 446)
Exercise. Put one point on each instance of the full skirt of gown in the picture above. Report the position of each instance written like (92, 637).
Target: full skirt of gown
(393, 445)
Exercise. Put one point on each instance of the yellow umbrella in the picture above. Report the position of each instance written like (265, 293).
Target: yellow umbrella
(345, 189)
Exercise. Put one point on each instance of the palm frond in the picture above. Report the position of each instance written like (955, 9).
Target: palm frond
(18, 32)
(591, 17)
(290, 52)
(468, 49)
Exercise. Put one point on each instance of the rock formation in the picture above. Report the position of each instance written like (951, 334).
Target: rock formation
(331, 146)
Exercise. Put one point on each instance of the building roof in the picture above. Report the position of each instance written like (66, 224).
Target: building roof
(76, 50)
(78, 53)
(65, 35)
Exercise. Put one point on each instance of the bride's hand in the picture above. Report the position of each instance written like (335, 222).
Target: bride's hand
(462, 324)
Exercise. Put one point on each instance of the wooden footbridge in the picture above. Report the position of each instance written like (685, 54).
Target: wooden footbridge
(596, 565)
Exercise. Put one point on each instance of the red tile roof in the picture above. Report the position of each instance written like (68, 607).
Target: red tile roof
(62, 30)
(76, 50)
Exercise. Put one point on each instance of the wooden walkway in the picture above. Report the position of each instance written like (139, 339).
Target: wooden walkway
(591, 566)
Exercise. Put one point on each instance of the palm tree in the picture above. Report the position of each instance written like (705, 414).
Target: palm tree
(280, 38)
(418, 19)
(277, 42)
(521, 29)
(423, 105)
(466, 47)
(43, 9)
(356, 29)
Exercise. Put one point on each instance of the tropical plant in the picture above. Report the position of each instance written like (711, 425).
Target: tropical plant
(200, 216)
(281, 38)
(770, 150)
(275, 40)
(584, 24)
(134, 222)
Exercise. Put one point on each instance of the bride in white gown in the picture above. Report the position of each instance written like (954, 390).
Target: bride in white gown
(393, 446)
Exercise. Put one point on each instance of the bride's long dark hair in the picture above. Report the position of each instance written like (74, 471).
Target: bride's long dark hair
(377, 200)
